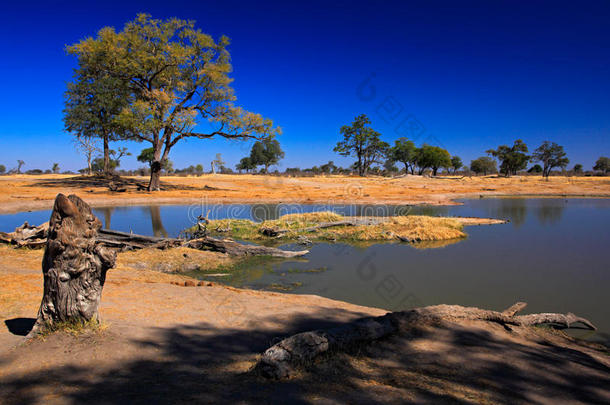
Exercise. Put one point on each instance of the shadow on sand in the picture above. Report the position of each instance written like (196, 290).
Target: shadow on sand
(104, 181)
(201, 363)
(20, 326)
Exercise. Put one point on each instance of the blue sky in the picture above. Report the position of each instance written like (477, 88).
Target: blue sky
(465, 75)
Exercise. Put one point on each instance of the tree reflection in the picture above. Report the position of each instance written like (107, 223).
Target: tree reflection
(515, 209)
(550, 211)
(107, 212)
(155, 219)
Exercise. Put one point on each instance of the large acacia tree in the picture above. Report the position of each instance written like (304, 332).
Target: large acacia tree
(178, 82)
(363, 142)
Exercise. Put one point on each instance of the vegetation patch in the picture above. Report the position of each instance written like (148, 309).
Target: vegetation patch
(73, 327)
(328, 226)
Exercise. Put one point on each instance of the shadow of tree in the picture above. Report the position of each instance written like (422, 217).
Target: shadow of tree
(201, 363)
(104, 181)
(20, 326)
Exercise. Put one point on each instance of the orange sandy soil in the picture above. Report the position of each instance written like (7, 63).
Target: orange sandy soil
(25, 192)
(164, 343)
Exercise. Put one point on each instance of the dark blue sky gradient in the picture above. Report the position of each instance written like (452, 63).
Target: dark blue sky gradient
(473, 74)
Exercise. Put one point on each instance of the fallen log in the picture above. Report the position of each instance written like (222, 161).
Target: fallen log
(27, 235)
(283, 359)
(238, 249)
(35, 237)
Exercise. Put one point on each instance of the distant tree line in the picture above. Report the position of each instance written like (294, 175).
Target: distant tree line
(363, 143)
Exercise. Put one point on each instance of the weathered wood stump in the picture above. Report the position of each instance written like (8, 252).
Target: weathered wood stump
(74, 265)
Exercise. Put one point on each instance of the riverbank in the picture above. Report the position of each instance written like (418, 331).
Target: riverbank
(29, 192)
(163, 340)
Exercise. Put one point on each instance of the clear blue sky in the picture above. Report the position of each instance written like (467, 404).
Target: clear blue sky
(473, 75)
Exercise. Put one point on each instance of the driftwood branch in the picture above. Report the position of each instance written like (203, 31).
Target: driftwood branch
(238, 249)
(283, 359)
(33, 237)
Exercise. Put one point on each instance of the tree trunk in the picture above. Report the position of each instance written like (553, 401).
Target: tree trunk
(106, 155)
(74, 265)
(155, 176)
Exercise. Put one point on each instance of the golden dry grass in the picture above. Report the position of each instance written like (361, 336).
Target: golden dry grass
(176, 260)
(420, 228)
(22, 192)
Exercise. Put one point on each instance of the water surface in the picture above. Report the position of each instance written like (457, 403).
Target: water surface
(554, 254)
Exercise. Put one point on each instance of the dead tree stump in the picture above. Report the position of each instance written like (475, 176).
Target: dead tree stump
(74, 265)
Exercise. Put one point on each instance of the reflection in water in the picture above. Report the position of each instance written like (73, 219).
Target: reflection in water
(435, 244)
(549, 212)
(107, 212)
(157, 223)
(513, 209)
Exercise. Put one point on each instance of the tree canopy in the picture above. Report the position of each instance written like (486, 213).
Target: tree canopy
(178, 83)
(456, 163)
(550, 155)
(93, 101)
(432, 157)
(602, 164)
(511, 158)
(266, 152)
(147, 155)
(361, 141)
(484, 165)
(405, 152)
(245, 164)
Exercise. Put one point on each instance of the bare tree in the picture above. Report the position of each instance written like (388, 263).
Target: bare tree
(88, 146)
(19, 164)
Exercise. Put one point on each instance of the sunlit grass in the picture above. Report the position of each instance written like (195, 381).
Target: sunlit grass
(293, 226)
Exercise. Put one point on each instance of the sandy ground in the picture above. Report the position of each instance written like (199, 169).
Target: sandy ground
(164, 343)
(167, 343)
(24, 192)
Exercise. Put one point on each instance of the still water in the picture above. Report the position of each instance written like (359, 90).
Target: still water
(554, 254)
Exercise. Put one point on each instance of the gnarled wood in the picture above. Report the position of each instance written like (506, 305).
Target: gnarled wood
(560, 319)
(238, 249)
(27, 235)
(74, 265)
(283, 359)
(513, 309)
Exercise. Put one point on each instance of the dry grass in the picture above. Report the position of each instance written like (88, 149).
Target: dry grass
(177, 260)
(74, 328)
(21, 192)
(420, 228)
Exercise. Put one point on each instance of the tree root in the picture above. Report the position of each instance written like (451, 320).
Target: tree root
(283, 359)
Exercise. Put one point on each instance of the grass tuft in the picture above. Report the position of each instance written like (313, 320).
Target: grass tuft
(73, 327)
